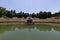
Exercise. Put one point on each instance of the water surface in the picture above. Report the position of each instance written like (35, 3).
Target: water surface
(29, 32)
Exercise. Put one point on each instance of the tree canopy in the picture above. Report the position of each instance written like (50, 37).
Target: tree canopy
(41, 14)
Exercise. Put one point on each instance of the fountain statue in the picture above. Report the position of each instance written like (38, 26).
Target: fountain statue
(29, 21)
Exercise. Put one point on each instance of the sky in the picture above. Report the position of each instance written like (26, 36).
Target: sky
(31, 6)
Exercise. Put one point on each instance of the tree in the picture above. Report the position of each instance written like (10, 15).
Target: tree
(13, 12)
(37, 15)
(26, 15)
(9, 14)
(20, 15)
(33, 15)
(2, 11)
(56, 15)
(1, 14)
(49, 14)
(44, 14)
(40, 15)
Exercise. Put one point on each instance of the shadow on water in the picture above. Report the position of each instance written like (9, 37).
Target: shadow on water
(40, 27)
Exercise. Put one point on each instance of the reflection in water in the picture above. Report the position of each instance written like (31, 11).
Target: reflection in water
(29, 27)
(29, 32)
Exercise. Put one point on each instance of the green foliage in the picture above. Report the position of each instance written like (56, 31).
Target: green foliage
(33, 15)
(56, 15)
(2, 11)
(44, 15)
(49, 14)
(20, 15)
(12, 13)
(26, 15)
(1, 14)
(37, 15)
(9, 14)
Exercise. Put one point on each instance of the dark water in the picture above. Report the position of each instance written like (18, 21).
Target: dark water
(29, 33)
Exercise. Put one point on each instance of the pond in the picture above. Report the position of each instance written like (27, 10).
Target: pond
(29, 32)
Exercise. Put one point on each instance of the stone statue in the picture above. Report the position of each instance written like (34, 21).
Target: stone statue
(29, 21)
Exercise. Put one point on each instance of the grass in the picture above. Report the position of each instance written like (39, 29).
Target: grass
(36, 24)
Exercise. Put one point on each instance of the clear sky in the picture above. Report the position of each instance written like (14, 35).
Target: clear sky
(31, 5)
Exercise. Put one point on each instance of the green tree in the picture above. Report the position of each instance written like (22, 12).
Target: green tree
(37, 15)
(1, 14)
(26, 15)
(33, 15)
(49, 14)
(56, 15)
(9, 14)
(20, 15)
(44, 15)
(13, 12)
(40, 15)
(2, 11)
